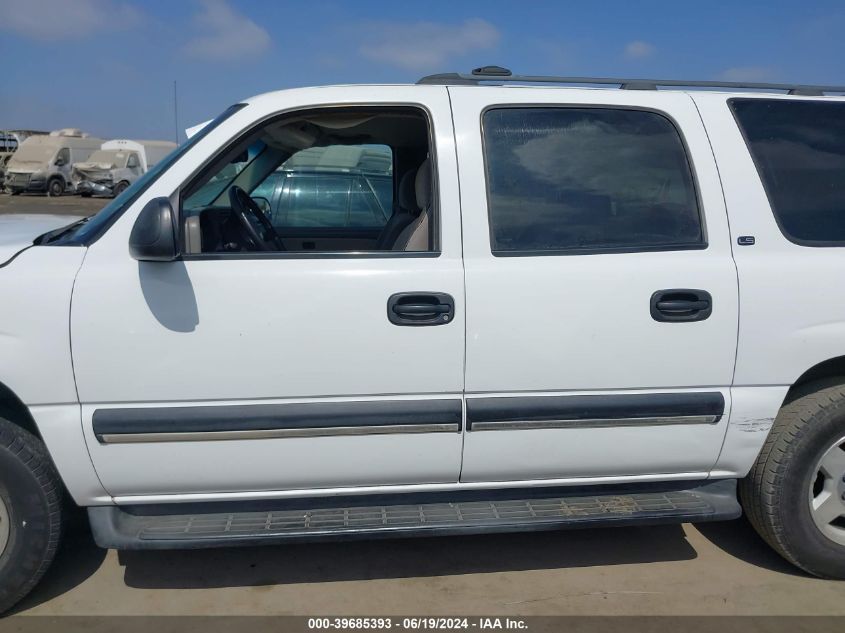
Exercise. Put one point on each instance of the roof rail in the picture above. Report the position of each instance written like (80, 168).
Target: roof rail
(497, 74)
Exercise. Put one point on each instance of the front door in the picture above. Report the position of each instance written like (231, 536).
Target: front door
(249, 368)
(601, 291)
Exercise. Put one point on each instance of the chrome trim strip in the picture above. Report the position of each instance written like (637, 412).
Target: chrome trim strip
(265, 434)
(593, 423)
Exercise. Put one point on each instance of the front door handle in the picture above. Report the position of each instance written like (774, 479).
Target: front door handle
(681, 305)
(420, 308)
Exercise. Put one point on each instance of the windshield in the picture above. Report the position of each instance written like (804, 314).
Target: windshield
(35, 153)
(88, 232)
(108, 156)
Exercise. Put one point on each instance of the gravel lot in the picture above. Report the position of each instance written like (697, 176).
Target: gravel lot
(711, 569)
(37, 203)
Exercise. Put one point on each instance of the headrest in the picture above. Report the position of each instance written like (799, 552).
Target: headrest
(422, 185)
(407, 195)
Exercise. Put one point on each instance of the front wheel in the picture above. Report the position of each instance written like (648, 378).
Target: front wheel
(120, 187)
(30, 513)
(794, 495)
(55, 187)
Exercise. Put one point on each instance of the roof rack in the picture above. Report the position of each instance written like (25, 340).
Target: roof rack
(497, 74)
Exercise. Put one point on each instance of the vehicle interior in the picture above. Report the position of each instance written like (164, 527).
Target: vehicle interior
(330, 180)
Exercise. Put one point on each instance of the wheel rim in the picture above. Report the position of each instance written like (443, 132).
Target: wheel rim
(827, 493)
(5, 526)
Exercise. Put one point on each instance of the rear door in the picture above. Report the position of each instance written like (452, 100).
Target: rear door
(601, 292)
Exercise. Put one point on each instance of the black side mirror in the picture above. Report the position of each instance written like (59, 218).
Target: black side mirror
(263, 204)
(60, 162)
(153, 238)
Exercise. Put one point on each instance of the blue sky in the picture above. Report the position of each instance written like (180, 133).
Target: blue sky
(108, 66)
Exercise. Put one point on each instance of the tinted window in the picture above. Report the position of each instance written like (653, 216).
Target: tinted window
(337, 186)
(563, 179)
(267, 188)
(799, 150)
(383, 188)
(364, 206)
(315, 201)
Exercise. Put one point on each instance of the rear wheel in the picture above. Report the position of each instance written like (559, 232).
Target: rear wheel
(30, 513)
(55, 187)
(795, 493)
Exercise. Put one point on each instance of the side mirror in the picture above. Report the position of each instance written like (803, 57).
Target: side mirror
(153, 238)
(60, 162)
(263, 204)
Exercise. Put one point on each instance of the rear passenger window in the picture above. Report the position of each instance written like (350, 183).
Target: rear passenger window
(799, 150)
(587, 179)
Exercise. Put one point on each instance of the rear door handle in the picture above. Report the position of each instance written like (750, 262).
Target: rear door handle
(681, 305)
(420, 308)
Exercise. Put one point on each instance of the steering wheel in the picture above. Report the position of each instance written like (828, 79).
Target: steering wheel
(259, 230)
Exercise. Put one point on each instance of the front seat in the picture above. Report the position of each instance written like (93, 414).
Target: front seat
(414, 237)
(405, 214)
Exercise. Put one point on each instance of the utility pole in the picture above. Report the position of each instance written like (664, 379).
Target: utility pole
(175, 112)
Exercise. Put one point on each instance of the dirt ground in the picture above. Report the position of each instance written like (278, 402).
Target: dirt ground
(712, 569)
(38, 203)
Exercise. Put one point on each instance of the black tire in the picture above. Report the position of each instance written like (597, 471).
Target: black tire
(14, 192)
(55, 187)
(776, 493)
(29, 488)
(85, 194)
(120, 187)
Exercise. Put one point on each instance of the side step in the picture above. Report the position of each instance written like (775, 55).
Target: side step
(186, 526)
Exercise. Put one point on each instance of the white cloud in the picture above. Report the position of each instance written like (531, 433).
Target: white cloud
(747, 73)
(65, 19)
(639, 50)
(424, 45)
(223, 34)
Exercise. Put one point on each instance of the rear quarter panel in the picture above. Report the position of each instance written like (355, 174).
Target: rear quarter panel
(792, 308)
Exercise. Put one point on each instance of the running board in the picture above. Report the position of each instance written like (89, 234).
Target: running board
(188, 526)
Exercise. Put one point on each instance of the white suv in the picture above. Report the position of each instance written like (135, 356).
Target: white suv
(583, 306)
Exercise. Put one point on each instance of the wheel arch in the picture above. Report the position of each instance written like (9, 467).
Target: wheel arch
(15, 411)
(827, 371)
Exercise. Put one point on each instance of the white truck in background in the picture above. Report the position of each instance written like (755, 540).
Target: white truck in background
(43, 163)
(10, 140)
(117, 164)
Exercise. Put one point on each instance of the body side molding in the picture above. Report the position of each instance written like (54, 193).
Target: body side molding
(261, 421)
(593, 411)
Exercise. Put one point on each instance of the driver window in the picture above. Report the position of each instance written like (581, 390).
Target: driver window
(353, 180)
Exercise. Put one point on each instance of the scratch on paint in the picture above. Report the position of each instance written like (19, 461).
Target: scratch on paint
(753, 425)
